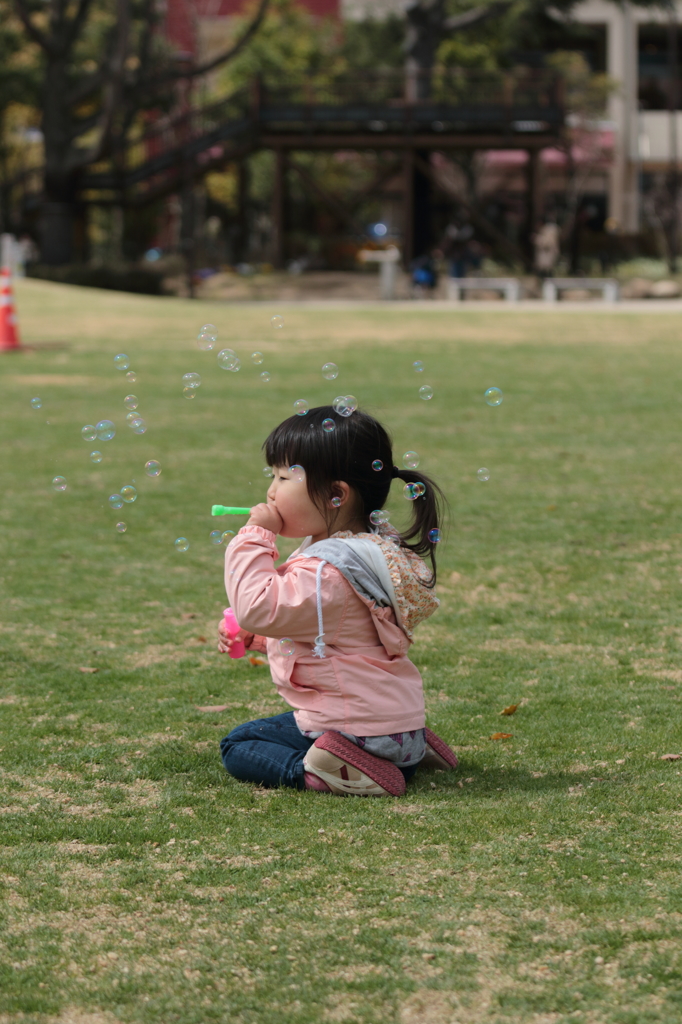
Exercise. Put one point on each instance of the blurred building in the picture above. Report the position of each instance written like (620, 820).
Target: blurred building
(204, 28)
(645, 129)
(620, 160)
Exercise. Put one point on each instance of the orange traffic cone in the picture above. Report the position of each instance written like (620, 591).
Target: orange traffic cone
(9, 335)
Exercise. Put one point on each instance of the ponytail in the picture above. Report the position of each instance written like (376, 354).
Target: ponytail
(427, 515)
(358, 450)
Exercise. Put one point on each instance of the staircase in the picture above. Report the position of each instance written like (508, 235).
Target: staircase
(449, 108)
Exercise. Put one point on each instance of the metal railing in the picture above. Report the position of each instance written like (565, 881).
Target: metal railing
(454, 87)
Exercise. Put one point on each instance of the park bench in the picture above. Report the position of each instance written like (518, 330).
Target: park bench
(509, 286)
(551, 287)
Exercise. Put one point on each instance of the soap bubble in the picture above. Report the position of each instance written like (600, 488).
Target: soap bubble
(378, 517)
(138, 426)
(345, 405)
(105, 430)
(410, 460)
(152, 468)
(301, 407)
(128, 493)
(286, 646)
(418, 366)
(227, 358)
(265, 376)
(131, 402)
(483, 474)
(116, 501)
(434, 536)
(336, 502)
(89, 432)
(121, 527)
(297, 474)
(377, 465)
(277, 322)
(207, 337)
(191, 380)
(328, 425)
(257, 358)
(131, 376)
(59, 483)
(189, 393)
(36, 403)
(216, 536)
(268, 472)
(121, 361)
(426, 392)
(96, 457)
(330, 371)
(493, 396)
(227, 536)
(182, 544)
(410, 491)
(421, 488)
(130, 416)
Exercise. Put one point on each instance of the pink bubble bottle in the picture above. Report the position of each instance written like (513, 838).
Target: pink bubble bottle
(232, 627)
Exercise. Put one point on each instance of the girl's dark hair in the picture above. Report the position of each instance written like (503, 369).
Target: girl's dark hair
(347, 453)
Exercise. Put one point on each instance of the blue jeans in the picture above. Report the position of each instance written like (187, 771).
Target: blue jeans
(270, 752)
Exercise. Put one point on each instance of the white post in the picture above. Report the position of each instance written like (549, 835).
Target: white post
(7, 252)
(454, 290)
(549, 290)
(387, 278)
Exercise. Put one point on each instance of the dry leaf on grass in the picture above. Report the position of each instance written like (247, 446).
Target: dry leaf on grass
(212, 707)
(510, 710)
(84, 668)
(502, 736)
(671, 757)
(257, 661)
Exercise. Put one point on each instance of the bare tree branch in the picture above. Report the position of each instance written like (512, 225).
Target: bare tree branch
(113, 92)
(80, 127)
(36, 35)
(222, 58)
(77, 23)
(143, 56)
(88, 85)
(475, 16)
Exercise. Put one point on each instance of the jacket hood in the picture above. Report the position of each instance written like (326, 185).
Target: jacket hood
(398, 576)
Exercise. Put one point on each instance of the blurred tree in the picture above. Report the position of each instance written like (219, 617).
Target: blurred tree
(293, 44)
(322, 188)
(18, 100)
(102, 62)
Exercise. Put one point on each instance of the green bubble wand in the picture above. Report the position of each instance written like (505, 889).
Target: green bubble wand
(229, 510)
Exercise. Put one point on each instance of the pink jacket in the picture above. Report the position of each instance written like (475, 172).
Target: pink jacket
(365, 685)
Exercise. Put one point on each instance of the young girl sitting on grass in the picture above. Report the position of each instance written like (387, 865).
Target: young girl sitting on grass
(337, 618)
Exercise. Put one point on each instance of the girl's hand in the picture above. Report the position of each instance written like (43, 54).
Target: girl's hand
(225, 641)
(266, 516)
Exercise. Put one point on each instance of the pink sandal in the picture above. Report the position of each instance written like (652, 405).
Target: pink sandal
(438, 753)
(349, 771)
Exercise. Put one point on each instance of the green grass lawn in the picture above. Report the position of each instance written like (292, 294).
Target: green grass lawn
(540, 882)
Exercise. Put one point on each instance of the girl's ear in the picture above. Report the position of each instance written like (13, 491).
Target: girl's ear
(341, 494)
